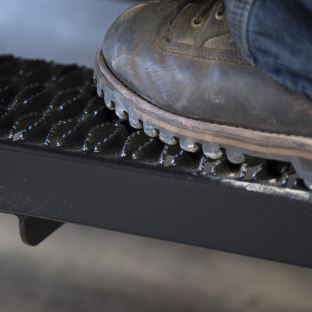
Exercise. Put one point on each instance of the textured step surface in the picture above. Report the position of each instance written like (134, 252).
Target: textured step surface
(56, 107)
(66, 157)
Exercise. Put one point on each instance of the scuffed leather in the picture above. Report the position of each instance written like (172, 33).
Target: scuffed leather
(198, 72)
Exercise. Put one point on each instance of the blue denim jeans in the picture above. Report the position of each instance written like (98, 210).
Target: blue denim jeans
(275, 35)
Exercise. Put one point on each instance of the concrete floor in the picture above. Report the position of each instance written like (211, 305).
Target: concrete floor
(85, 269)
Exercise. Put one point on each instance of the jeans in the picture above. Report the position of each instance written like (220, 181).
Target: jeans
(275, 35)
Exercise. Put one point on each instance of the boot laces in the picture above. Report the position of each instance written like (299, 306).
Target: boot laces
(206, 6)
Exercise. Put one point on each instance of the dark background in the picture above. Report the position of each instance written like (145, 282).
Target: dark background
(85, 269)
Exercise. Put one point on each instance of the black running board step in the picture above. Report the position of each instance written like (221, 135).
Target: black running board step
(66, 158)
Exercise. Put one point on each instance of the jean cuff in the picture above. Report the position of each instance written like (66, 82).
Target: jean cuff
(238, 15)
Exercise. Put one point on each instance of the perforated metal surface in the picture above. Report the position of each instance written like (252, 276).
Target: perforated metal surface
(56, 107)
(65, 157)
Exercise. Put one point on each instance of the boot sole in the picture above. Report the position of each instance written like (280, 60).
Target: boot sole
(214, 139)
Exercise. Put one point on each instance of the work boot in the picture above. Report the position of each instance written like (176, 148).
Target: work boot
(174, 70)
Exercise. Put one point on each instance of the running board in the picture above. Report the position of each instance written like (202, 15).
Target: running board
(66, 158)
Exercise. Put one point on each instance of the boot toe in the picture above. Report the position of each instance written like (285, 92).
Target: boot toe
(126, 43)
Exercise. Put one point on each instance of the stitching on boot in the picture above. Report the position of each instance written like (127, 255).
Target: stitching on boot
(203, 53)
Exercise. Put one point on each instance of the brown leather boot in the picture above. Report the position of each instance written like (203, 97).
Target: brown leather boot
(175, 70)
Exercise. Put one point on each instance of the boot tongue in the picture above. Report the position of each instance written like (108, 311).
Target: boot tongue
(184, 29)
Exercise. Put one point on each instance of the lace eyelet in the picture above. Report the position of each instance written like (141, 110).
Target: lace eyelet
(220, 16)
(195, 24)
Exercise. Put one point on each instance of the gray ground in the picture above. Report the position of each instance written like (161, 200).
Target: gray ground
(85, 269)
